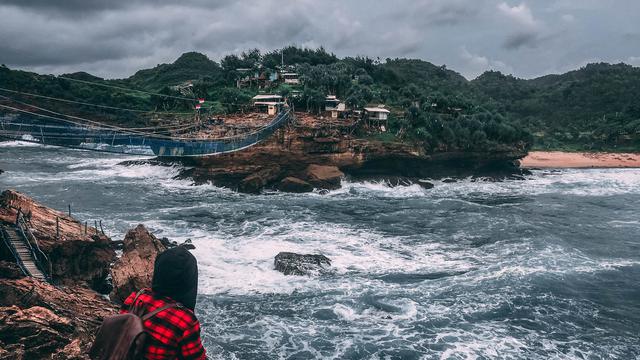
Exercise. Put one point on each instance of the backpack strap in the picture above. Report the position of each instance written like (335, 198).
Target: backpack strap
(134, 308)
(156, 311)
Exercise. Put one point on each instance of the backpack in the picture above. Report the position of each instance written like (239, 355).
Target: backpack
(122, 337)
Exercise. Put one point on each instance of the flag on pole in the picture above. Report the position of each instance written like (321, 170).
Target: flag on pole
(201, 101)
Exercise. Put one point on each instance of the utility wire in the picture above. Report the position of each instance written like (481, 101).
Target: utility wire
(93, 122)
(126, 89)
(95, 105)
(101, 126)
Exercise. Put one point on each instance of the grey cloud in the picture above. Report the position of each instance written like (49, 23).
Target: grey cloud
(114, 38)
(73, 7)
(522, 39)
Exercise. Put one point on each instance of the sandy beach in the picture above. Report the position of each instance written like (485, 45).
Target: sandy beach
(559, 159)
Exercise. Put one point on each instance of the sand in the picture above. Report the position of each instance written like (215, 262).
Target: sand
(559, 159)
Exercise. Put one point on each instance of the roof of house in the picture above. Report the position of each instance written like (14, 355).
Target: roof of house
(377, 109)
(266, 96)
(267, 103)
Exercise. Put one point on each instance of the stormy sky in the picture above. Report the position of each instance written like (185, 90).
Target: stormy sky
(114, 38)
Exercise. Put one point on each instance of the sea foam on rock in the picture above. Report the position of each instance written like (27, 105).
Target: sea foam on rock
(290, 263)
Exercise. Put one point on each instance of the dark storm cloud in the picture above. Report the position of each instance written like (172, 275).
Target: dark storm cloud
(117, 37)
(518, 40)
(71, 7)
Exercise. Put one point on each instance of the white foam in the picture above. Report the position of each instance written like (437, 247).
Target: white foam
(18, 144)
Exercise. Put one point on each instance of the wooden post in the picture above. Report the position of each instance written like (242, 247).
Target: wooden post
(101, 229)
(95, 226)
(57, 228)
(18, 216)
(69, 210)
(85, 228)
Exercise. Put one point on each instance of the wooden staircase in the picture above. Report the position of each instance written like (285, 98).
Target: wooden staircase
(19, 243)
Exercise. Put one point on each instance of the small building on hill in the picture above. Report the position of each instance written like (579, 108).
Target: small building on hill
(377, 113)
(377, 116)
(290, 78)
(268, 103)
(334, 107)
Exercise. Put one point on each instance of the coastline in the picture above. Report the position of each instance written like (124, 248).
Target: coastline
(579, 160)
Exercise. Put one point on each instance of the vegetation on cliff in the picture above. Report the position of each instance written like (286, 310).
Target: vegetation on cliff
(594, 107)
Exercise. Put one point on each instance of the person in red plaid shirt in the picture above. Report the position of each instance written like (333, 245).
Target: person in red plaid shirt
(173, 333)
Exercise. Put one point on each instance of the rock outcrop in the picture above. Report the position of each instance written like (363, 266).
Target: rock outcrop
(41, 321)
(307, 148)
(290, 263)
(134, 269)
(294, 185)
(76, 256)
(323, 176)
(258, 180)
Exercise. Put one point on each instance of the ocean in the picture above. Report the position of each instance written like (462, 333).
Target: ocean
(545, 268)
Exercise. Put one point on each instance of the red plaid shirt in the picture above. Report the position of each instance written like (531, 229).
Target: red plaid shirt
(173, 333)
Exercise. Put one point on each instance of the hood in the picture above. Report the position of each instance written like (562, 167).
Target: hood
(175, 275)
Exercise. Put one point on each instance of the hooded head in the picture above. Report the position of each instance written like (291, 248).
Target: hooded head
(175, 274)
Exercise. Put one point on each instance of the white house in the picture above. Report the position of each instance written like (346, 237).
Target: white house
(290, 78)
(333, 105)
(377, 113)
(269, 102)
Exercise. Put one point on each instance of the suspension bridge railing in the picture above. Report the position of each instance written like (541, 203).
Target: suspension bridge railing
(125, 141)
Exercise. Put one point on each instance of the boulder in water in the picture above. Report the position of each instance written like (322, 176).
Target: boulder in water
(324, 177)
(425, 184)
(255, 182)
(290, 263)
(134, 270)
(294, 185)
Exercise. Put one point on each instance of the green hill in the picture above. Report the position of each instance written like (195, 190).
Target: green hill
(592, 108)
(595, 107)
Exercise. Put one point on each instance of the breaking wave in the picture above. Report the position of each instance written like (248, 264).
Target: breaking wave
(541, 268)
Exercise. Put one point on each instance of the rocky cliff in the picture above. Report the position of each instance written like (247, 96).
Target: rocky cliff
(287, 160)
(42, 321)
(76, 256)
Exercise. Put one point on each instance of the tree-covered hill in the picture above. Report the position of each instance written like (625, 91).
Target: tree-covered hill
(592, 108)
(595, 107)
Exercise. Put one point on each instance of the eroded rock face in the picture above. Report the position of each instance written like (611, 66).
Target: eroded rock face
(10, 270)
(302, 144)
(40, 321)
(290, 263)
(134, 270)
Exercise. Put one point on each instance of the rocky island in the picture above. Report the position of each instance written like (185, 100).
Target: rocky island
(315, 153)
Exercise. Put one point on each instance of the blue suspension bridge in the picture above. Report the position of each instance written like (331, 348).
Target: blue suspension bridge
(58, 129)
